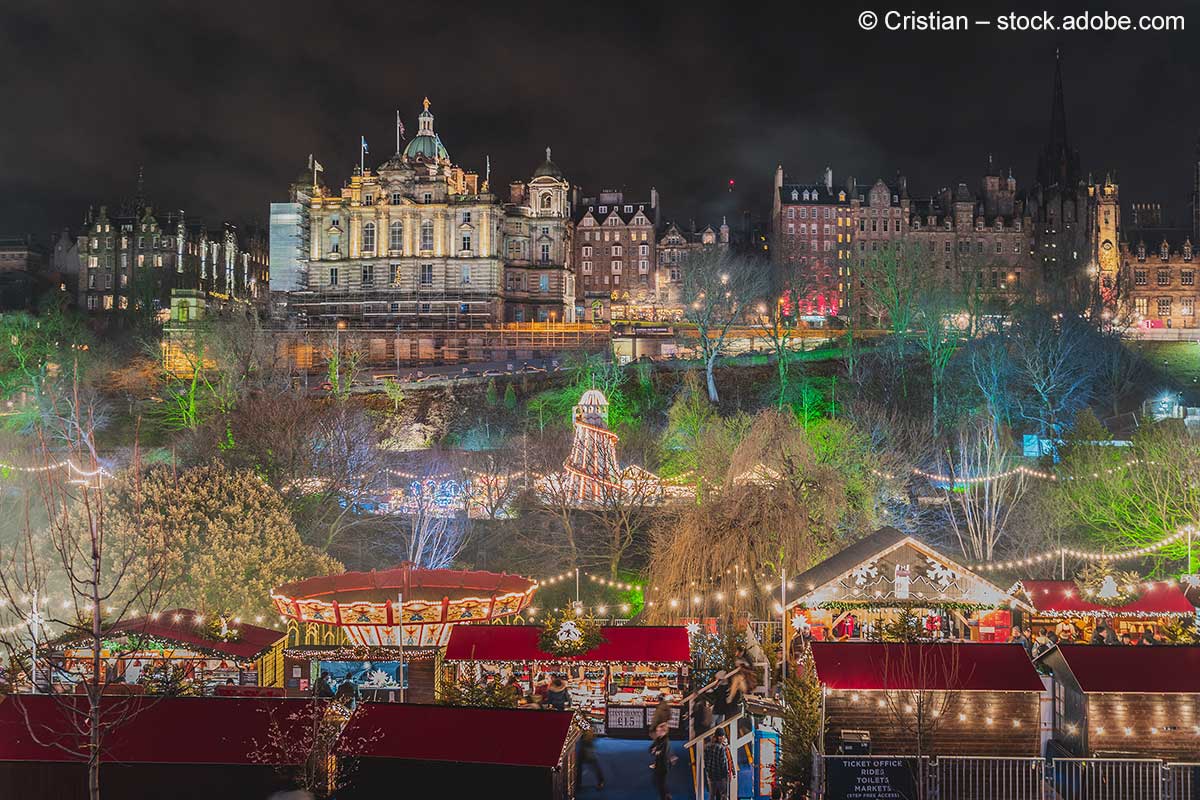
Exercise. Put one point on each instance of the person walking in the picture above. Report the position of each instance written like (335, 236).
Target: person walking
(324, 686)
(718, 766)
(660, 751)
(587, 757)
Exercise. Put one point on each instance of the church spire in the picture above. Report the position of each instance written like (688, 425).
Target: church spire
(1058, 164)
(1058, 113)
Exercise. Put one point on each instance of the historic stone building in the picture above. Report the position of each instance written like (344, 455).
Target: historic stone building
(1158, 275)
(615, 246)
(674, 247)
(813, 238)
(539, 275)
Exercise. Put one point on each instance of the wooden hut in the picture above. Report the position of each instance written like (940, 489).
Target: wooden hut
(1056, 602)
(185, 748)
(854, 592)
(1130, 702)
(960, 698)
(388, 750)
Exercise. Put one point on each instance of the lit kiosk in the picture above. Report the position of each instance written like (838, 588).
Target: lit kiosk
(855, 592)
(383, 631)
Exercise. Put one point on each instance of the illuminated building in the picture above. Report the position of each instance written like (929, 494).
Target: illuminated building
(813, 238)
(539, 276)
(615, 246)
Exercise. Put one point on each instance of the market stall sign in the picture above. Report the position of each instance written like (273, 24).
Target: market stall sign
(871, 778)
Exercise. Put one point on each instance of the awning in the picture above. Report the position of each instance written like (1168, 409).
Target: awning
(179, 626)
(520, 643)
(1061, 598)
(1149, 670)
(979, 667)
(455, 734)
(169, 730)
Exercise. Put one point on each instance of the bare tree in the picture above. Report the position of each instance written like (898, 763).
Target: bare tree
(717, 289)
(992, 370)
(102, 589)
(623, 512)
(1055, 365)
(892, 277)
(436, 523)
(938, 337)
(985, 486)
(775, 319)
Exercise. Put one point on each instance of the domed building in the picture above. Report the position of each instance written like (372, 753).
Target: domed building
(426, 145)
(539, 273)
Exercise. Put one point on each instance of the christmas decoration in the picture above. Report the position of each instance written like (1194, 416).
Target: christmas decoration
(221, 629)
(567, 634)
(1105, 585)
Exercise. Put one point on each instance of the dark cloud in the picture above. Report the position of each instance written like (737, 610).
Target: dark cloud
(222, 102)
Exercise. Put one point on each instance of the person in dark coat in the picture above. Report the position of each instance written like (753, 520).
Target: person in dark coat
(586, 757)
(660, 751)
(324, 686)
(557, 698)
(662, 712)
(718, 764)
(1149, 636)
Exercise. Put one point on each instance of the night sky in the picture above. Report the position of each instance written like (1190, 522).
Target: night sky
(223, 102)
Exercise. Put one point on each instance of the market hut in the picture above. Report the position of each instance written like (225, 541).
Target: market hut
(619, 682)
(187, 748)
(855, 592)
(206, 651)
(458, 752)
(1130, 606)
(1137, 702)
(382, 630)
(962, 698)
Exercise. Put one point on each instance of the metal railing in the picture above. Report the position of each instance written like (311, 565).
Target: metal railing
(966, 778)
(1107, 778)
(1181, 781)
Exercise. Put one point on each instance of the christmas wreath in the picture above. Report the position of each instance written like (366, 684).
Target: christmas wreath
(1102, 584)
(567, 634)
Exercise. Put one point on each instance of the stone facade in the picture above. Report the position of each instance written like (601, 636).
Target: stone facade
(615, 250)
(1158, 278)
(539, 274)
(813, 240)
(675, 245)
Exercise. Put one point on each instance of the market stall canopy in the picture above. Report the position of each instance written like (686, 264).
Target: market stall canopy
(890, 568)
(169, 730)
(1062, 598)
(189, 629)
(520, 643)
(1148, 670)
(866, 666)
(456, 734)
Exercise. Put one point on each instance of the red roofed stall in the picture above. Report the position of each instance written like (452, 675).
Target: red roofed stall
(458, 752)
(185, 748)
(1142, 702)
(619, 681)
(1062, 606)
(966, 698)
(213, 652)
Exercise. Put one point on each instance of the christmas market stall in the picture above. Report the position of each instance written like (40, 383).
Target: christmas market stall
(1135, 702)
(179, 648)
(1128, 604)
(185, 748)
(383, 630)
(616, 675)
(961, 698)
(889, 577)
(457, 752)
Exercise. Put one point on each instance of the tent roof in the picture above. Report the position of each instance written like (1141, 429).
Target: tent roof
(944, 666)
(457, 734)
(1062, 597)
(1152, 670)
(520, 643)
(178, 625)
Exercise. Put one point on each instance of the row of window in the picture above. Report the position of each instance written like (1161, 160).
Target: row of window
(518, 282)
(94, 261)
(616, 250)
(424, 275)
(617, 265)
(594, 236)
(1164, 251)
(155, 242)
(1162, 277)
(1187, 306)
(803, 212)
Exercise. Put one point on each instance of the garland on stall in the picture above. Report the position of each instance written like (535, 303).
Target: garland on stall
(1103, 584)
(840, 606)
(566, 634)
(351, 652)
(218, 628)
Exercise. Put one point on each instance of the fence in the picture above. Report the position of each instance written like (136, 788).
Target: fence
(981, 778)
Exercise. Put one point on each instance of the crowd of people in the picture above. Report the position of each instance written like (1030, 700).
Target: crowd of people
(1038, 640)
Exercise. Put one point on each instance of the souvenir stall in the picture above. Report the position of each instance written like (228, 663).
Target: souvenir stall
(382, 631)
(616, 675)
(889, 575)
(177, 647)
(1128, 603)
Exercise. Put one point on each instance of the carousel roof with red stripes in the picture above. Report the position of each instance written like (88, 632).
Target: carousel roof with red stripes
(367, 605)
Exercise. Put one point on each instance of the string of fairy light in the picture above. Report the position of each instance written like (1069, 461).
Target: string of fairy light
(24, 608)
(1089, 555)
(1030, 472)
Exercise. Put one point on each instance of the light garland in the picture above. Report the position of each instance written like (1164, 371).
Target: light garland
(959, 480)
(70, 466)
(1087, 555)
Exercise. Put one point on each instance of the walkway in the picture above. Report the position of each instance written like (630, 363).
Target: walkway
(626, 765)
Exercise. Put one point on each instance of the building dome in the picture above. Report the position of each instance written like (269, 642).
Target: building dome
(548, 168)
(426, 144)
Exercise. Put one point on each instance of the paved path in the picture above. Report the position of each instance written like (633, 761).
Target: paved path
(627, 774)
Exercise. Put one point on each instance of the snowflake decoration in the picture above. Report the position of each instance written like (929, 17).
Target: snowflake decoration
(799, 623)
(864, 572)
(693, 628)
(377, 677)
(940, 573)
(569, 632)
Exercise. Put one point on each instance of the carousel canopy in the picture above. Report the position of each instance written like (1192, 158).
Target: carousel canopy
(1061, 598)
(520, 643)
(169, 730)
(1149, 670)
(179, 626)
(982, 667)
(890, 568)
(456, 734)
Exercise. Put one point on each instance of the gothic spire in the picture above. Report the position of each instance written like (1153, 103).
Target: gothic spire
(1058, 113)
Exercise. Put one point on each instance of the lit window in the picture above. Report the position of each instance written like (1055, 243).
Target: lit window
(368, 237)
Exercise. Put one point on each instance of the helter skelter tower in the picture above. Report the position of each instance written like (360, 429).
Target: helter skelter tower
(592, 468)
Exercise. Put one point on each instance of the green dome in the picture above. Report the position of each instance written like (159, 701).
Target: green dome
(428, 146)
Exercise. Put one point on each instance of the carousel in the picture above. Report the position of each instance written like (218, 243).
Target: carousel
(376, 629)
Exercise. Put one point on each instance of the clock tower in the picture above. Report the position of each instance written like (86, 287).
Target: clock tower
(1106, 258)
